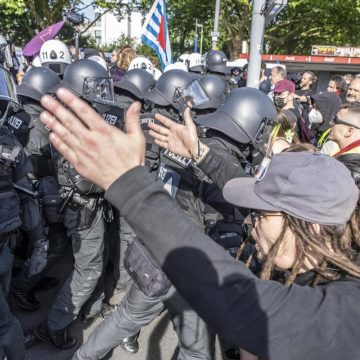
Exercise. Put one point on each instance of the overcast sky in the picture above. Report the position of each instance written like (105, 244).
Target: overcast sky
(89, 12)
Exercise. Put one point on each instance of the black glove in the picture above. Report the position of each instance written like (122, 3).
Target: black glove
(38, 260)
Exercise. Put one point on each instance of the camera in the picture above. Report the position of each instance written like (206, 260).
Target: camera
(74, 17)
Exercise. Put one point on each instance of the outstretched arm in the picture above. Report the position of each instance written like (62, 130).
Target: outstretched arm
(264, 317)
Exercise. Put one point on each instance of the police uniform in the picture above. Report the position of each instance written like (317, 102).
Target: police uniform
(85, 216)
(11, 335)
(38, 151)
(137, 309)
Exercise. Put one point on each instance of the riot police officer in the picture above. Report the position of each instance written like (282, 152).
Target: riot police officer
(215, 63)
(36, 83)
(85, 214)
(133, 86)
(55, 55)
(13, 168)
(144, 300)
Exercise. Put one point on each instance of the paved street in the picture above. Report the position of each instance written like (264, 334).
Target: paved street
(157, 341)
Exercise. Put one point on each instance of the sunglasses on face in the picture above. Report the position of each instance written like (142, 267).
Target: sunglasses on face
(256, 215)
(337, 121)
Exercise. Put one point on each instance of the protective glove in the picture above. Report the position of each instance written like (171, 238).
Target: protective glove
(38, 259)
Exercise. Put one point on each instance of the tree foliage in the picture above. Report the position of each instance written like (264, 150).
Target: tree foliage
(307, 22)
(303, 23)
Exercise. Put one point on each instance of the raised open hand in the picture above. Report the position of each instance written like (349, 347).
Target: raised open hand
(178, 138)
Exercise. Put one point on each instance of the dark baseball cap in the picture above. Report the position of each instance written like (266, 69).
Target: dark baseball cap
(309, 186)
(284, 85)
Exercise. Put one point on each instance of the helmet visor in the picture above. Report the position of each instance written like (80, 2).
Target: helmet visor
(196, 93)
(99, 90)
(7, 87)
(8, 94)
(5, 55)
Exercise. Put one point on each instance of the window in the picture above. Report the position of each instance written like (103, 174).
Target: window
(98, 37)
(98, 21)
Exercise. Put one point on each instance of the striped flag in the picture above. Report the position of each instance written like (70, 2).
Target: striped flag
(155, 32)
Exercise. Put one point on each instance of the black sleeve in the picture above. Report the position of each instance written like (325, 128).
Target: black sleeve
(264, 317)
(220, 169)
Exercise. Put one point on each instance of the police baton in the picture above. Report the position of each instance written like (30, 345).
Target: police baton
(27, 191)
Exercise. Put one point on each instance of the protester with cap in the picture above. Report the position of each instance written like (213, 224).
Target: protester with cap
(284, 91)
(296, 227)
(283, 94)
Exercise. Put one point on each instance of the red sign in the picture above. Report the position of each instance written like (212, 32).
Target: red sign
(307, 59)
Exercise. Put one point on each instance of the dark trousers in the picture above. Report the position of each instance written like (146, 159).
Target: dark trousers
(136, 310)
(11, 334)
(88, 249)
(126, 236)
(57, 245)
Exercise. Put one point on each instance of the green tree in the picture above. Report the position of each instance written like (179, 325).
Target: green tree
(235, 25)
(306, 22)
(22, 19)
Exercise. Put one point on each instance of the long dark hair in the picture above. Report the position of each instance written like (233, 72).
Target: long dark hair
(334, 243)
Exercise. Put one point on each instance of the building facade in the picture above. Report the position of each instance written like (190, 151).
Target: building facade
(108, 28)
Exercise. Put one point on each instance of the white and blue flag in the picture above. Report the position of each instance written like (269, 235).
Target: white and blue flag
(155, 32)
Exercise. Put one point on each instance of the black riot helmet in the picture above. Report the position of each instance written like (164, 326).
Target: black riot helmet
(206, 92)
(37, 82)
(89, 80)
(245, 115)
(137, 82)
(215, 62)
(165, 90)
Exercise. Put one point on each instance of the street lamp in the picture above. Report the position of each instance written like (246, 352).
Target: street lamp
(273, 8)
(215, 33)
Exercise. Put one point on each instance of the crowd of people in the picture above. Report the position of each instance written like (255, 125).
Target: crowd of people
(234, 208)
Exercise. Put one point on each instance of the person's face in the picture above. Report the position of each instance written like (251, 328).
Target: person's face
(113, 56)
(353, 91)
(340, 133)
(331, 86)
(282, 99)
(19, 77)
(275, 76)
(235, 72)
(305, 80)
(267, 227)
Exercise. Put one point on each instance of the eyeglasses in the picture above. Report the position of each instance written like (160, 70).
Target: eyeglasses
(337, 121)
(255, 215)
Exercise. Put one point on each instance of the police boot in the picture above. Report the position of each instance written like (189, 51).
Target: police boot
(233, 354)
(59, 340)
(130, 344)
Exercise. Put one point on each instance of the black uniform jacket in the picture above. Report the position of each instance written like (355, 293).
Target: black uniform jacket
(267, 318)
